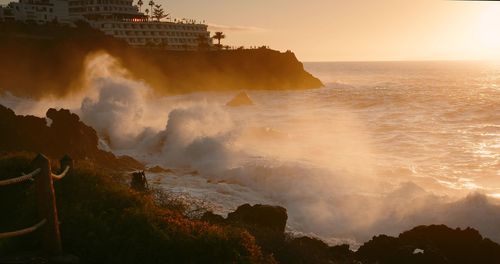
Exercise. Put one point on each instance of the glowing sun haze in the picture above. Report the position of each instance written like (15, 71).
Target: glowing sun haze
(337, 30)
(331, 30)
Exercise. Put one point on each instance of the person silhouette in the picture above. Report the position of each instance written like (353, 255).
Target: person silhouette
(139, 181)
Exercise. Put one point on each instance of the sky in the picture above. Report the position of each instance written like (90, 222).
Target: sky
(354, 30)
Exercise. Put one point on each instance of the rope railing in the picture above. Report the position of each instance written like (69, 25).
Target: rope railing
(46, 202)
(23, 232)
(20, 179)
(60, 176)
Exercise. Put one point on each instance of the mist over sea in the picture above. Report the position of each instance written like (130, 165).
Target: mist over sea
(385, 146)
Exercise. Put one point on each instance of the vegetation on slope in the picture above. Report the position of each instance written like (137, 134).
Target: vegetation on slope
(105, 222)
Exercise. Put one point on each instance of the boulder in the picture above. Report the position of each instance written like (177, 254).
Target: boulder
(242, 99)
(213, 218)
(306, 250)
(272, 218)
(159, 169)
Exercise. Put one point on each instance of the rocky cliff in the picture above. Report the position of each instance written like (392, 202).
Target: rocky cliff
(61, 133)
(181, 71)
(50, 59)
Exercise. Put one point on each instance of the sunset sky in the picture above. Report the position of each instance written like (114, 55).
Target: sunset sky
(331, 30)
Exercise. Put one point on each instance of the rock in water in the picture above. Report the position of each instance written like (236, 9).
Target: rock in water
(242, 99)
(159, 169)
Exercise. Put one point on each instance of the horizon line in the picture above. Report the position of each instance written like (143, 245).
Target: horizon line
(409, 60)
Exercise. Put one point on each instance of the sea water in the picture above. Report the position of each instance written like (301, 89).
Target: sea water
(383, 147)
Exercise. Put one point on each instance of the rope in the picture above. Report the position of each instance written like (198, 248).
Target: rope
(20, 179)
(60, 176)
(23, 231)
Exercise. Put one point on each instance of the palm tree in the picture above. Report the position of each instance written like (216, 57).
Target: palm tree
(218, 36)
(140, 3)
(151, 4)
(147, 12)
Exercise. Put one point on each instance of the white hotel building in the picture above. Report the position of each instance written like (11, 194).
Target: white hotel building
(41, 11)
(117, 18)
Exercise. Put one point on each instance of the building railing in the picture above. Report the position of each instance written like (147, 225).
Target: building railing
(46, 202)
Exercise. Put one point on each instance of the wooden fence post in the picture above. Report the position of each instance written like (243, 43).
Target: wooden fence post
(47, 209)
(66, 161)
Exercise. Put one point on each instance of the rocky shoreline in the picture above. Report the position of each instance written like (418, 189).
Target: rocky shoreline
(423, 244)
(264, 223)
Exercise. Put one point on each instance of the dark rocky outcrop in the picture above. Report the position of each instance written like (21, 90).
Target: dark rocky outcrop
(439, 243)
(242, 99)
(435, 244)
(213, 218)
(159, 169)
(65, 135)
(267, 224)
(314, 251)
(271, 218)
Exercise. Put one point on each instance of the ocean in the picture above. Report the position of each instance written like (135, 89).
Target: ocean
(438, 120)
(383, 147)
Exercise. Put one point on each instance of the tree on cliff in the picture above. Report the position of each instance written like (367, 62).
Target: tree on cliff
(151, 5)
(159, 13)
(139, 4)
(218, 36)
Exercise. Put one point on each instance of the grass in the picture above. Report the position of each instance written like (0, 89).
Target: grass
(106, 222)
